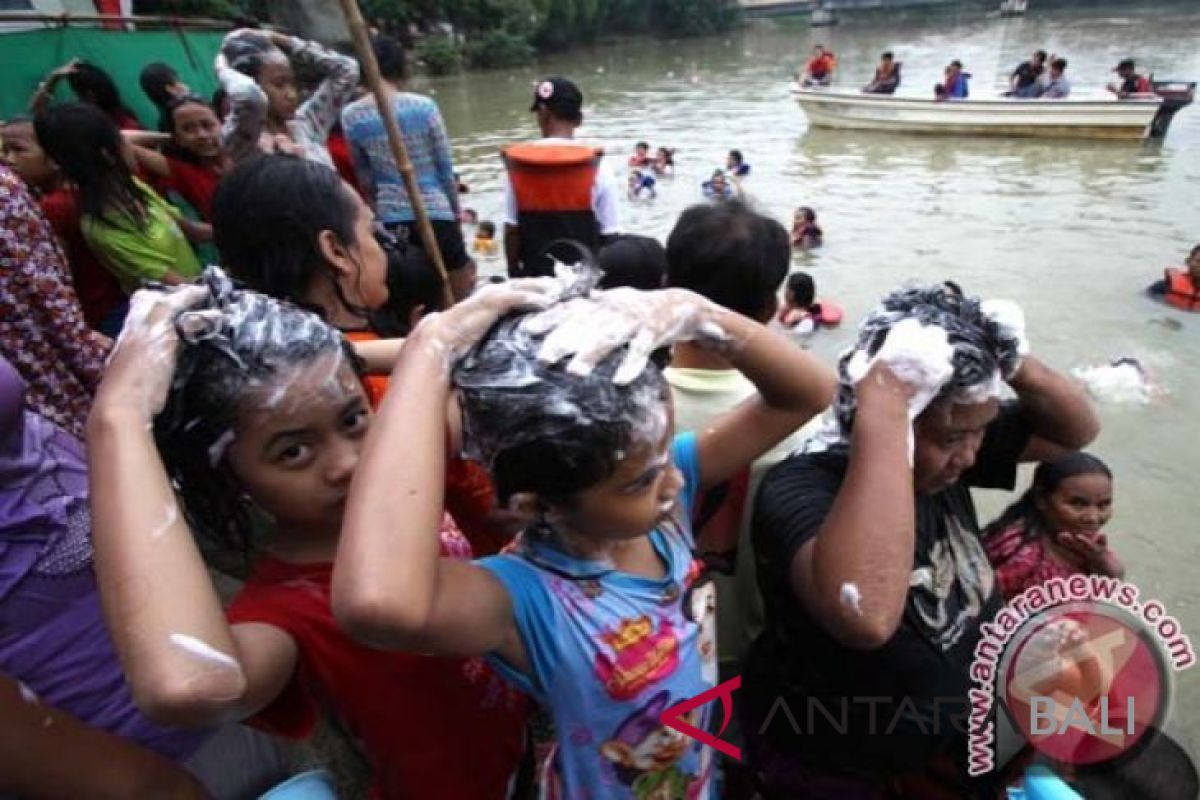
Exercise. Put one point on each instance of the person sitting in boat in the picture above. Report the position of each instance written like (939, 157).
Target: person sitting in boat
(641, 184)
(1131, 83)
(1026, 80)
(954, 84)
(664, 161)
(736, 164)
(1181, 287)
(1057, 86)
(721, 187)
(641, 156)
(819, 69)
(806, 233)
(887, 76)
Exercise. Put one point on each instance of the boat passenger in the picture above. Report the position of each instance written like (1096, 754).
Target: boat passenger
(1026, 79)
(1054, 530)
(954, 85)
(887, 76)
(1057, 86)
(1181, 287)
(1131, 83)
(558, 171)
(664, 161)
(641, 156)
(819, 69)
(736, 164)
(806, 233)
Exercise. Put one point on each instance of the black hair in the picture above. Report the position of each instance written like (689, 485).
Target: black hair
(1195, 250)
(1040, 55)
(736, 155)
(1046, 480)
(802, 289)
(93, 85)
(413, 282)
(267, 215)
(219, 98)
(1158, 770)
(168, 124)
(981, 348)
(487, 226)
(155, 80)
(541, 429)
(638, 262)
(393, 62)
(888, 55)
(956, 63)
(730, 254)
(231, 344)
(1059, 64)
(87, 146)
(640, 145)
(807, 213)
(669, 152)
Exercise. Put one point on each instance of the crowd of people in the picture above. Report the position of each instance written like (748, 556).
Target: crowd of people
(278, 497)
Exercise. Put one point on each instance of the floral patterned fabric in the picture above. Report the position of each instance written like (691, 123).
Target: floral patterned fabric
(42, 330)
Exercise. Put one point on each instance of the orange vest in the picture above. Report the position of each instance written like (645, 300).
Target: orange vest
(552, 185)
(1182, 291)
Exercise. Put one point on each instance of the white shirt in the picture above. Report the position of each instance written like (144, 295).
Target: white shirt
(604, 194)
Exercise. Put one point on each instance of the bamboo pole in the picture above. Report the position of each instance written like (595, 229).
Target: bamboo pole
(366, 56)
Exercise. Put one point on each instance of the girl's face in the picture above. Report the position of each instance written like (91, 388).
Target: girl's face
(279, 83)
(298, 442)
(632, 501)
(1080, 504)
(198, 130)
(25, 156)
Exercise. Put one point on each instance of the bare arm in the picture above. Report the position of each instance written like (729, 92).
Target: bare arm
(45, 90)
(793, 387)
(1063, 418)
(866, 541)
(150, 160)
(47, 754)
(184, 663)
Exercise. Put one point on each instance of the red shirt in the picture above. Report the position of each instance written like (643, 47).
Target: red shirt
(196, 183)
(97, 288)
(430, 727)
(339, 151)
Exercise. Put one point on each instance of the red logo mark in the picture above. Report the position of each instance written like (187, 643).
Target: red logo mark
(673, 717)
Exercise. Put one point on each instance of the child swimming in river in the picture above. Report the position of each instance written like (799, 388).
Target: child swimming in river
(599, 611)
(806, 233)
(1055, 529)
(485, 243)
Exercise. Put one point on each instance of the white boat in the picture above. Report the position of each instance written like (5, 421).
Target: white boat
(1082, 118)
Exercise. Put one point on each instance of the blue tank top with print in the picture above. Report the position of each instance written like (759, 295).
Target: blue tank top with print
(609, 652)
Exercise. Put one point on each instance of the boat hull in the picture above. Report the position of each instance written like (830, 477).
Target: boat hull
(1058, 119)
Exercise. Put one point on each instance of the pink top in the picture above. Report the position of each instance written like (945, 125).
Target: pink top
(1022, 561)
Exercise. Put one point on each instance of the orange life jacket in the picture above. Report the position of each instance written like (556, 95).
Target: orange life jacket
(1182, 291)
(553, 185)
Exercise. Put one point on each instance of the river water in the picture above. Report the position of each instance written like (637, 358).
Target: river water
(1072, 230)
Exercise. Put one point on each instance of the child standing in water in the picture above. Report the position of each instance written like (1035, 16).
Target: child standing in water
(599, 611)
(806, 233)
(1055, 529)
(220, 408)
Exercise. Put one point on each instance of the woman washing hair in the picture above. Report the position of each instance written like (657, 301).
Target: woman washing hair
(1055, 529)
(255, 70)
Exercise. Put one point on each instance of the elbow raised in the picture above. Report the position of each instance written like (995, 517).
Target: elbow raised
(194, 700)
(373, 619)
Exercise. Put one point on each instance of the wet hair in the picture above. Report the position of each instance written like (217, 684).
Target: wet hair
(669, 152)
(642, 146)
(232, 344)
(1046, 480)
(1059, 64)
(1195, 252)
(808, 214)
(730, 254)
(412, 282)
(393, 63)
(539, 428)
(638, 262)
(93, 85)
(1040, 55)
(267, 215)
(488, 227)
(156, 79)
(87, 146)
(980, 348)
(1159, 770)
(168, 124)
(956, 63)
(736, 155)
(802, 289)
(888, 55)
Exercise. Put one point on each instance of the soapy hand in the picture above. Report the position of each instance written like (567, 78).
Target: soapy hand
(589, 329)
(918, 355)
(142, 364)
(1010, 324)
(456, 330)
